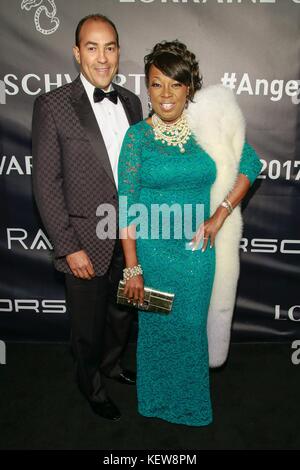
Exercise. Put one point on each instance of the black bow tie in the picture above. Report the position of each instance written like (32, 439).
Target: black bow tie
(99, 95)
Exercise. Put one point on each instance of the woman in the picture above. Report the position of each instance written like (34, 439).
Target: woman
(161, 162)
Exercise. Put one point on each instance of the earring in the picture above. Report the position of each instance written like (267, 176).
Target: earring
(149, 105)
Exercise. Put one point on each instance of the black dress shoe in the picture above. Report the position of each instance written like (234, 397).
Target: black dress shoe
(106, 409)
(126, 377)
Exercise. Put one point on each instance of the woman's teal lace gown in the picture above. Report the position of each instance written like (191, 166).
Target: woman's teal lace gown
(172, 350)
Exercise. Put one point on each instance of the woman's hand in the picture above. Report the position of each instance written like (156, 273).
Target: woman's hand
(134, 290)
(207, 231)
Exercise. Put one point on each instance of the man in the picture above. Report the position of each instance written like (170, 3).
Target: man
(77, 135)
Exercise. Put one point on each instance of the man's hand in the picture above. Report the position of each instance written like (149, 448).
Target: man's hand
(80, 265)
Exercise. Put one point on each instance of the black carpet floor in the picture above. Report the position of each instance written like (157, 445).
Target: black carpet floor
(256, 403)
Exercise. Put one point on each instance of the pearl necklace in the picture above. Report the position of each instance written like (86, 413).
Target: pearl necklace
(177, 133)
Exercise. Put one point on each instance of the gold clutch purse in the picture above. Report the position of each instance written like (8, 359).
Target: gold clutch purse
(155, 301)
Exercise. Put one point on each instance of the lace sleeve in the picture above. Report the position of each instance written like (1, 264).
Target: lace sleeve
(250, 164)
(129, 176)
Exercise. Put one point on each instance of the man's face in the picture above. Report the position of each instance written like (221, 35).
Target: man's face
(98, 53)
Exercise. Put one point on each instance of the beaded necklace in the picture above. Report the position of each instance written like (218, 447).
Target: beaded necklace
(175, 134)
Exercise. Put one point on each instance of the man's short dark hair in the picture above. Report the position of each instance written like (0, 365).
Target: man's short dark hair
(95, 17)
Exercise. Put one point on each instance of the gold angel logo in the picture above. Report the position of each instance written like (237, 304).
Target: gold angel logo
(46, 7)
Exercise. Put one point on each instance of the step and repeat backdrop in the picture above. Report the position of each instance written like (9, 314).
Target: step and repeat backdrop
(250, 46)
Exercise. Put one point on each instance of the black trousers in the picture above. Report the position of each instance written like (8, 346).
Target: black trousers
(100, 327)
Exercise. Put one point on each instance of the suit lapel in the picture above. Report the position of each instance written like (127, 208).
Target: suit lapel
(84, 111)
(126, 104)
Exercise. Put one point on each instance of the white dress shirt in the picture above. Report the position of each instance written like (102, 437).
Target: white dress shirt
(112, 122)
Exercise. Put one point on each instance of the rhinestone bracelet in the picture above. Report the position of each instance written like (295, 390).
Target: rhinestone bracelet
(230, 205)
(128, 273)
(226, 203)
